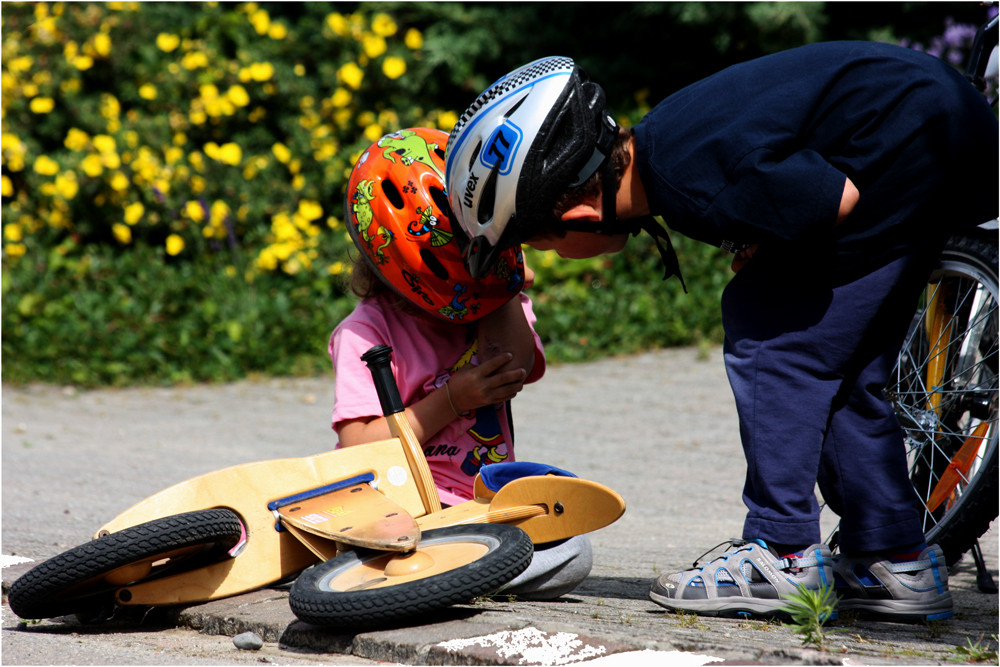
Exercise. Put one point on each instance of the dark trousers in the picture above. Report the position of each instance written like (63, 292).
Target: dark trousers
(808, 355)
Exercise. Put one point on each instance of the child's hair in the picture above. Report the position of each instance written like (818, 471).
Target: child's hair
(591, 188)
(366, 283)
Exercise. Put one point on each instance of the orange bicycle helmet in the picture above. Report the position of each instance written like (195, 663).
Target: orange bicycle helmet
(399, 218)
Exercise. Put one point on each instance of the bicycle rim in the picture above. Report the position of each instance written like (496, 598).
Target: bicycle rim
(945, 396)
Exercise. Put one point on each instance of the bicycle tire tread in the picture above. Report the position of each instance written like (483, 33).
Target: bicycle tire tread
(36, 594)
(385, 605)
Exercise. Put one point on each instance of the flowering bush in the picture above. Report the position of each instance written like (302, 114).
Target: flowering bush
(173, 173)
(200, 130)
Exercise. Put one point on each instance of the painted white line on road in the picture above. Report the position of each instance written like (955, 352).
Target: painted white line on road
(531, 646)
(6, 561)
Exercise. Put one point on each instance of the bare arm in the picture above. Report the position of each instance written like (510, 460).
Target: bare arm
(847, 201)
(507, 330)
(469, 388)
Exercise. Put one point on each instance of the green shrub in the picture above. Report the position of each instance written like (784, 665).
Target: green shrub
(173, 173)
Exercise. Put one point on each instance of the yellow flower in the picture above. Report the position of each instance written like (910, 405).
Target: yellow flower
(76, 140)
(102, 44)
(14, 250)
(110, 107)
(310, 210)
(6, 186)
(173, 155)
(122, 232)
(83, 63)
(218, 212)
(194, 60)
(92, 166)
(338, 24)
(383, 25)
(447, 119)
(266, 260)
(119, 182)
(104, 143)
(340, 98)
(277, 31)
(230, 154)
(133, 212)
(46, 166)
(195, 210)
(237, 94)
(413, 39)
(351, 75)
(373, 45)
(20, 64)
(167, 42)
(66, 185)
(394, 67)
(373, 132)
(12, 231)
(281, 152)
(111, 160)
(42, 105)
(147, 91)
(261, 21)
(175, 244)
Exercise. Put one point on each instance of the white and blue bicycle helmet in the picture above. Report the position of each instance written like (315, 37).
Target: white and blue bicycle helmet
(529, 137)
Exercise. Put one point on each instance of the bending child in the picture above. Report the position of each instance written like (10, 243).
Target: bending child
(835, 172)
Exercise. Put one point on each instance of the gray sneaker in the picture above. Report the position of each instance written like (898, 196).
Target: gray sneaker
(908, 591)
(748, 580)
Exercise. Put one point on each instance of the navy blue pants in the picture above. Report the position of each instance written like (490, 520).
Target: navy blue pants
(808, 355)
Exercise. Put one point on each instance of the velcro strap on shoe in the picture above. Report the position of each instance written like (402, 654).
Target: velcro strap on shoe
(799, 562)
(909, 566)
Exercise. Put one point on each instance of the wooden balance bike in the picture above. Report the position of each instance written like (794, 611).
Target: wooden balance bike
(368, 515)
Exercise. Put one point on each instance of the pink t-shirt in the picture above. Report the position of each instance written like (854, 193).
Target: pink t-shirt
(425, 352)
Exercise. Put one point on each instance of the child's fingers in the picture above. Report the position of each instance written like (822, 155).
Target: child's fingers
(494, 364)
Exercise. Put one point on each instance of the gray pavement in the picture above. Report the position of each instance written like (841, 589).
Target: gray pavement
(660, 428)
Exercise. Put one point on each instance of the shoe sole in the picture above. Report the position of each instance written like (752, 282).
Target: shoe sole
(732, 607)
(904, 611)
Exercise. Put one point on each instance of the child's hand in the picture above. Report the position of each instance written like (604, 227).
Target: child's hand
(475, 386)
(742, 257)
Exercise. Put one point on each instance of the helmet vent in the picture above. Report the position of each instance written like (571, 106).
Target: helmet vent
(484, 212)
(439, 152)
(517, 105)
(475, 154)
(392, 194)
(440, 200)
(434, 264)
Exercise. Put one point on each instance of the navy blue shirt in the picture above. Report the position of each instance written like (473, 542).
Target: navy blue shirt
(760, 151)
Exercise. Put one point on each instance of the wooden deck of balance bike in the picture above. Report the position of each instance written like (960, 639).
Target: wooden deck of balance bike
(300, 511)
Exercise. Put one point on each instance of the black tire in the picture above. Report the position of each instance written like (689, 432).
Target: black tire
(77, 581)
(966, 397)
(316, 599)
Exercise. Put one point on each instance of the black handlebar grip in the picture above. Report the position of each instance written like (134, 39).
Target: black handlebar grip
(378, 359)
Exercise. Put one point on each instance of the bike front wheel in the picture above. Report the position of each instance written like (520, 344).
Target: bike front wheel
(945, 395)
(83, 580)
(452, 565)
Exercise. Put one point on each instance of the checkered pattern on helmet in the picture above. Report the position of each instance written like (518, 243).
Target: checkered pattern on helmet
(527, 74)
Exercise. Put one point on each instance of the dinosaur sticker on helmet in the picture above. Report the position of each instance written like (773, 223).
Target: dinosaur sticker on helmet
(361, 207)
(410, 147)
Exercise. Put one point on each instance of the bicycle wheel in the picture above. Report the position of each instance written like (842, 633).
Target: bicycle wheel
(365, 588)
(945, 396)
(84, 579)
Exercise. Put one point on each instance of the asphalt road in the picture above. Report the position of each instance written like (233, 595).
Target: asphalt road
(660, 428)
